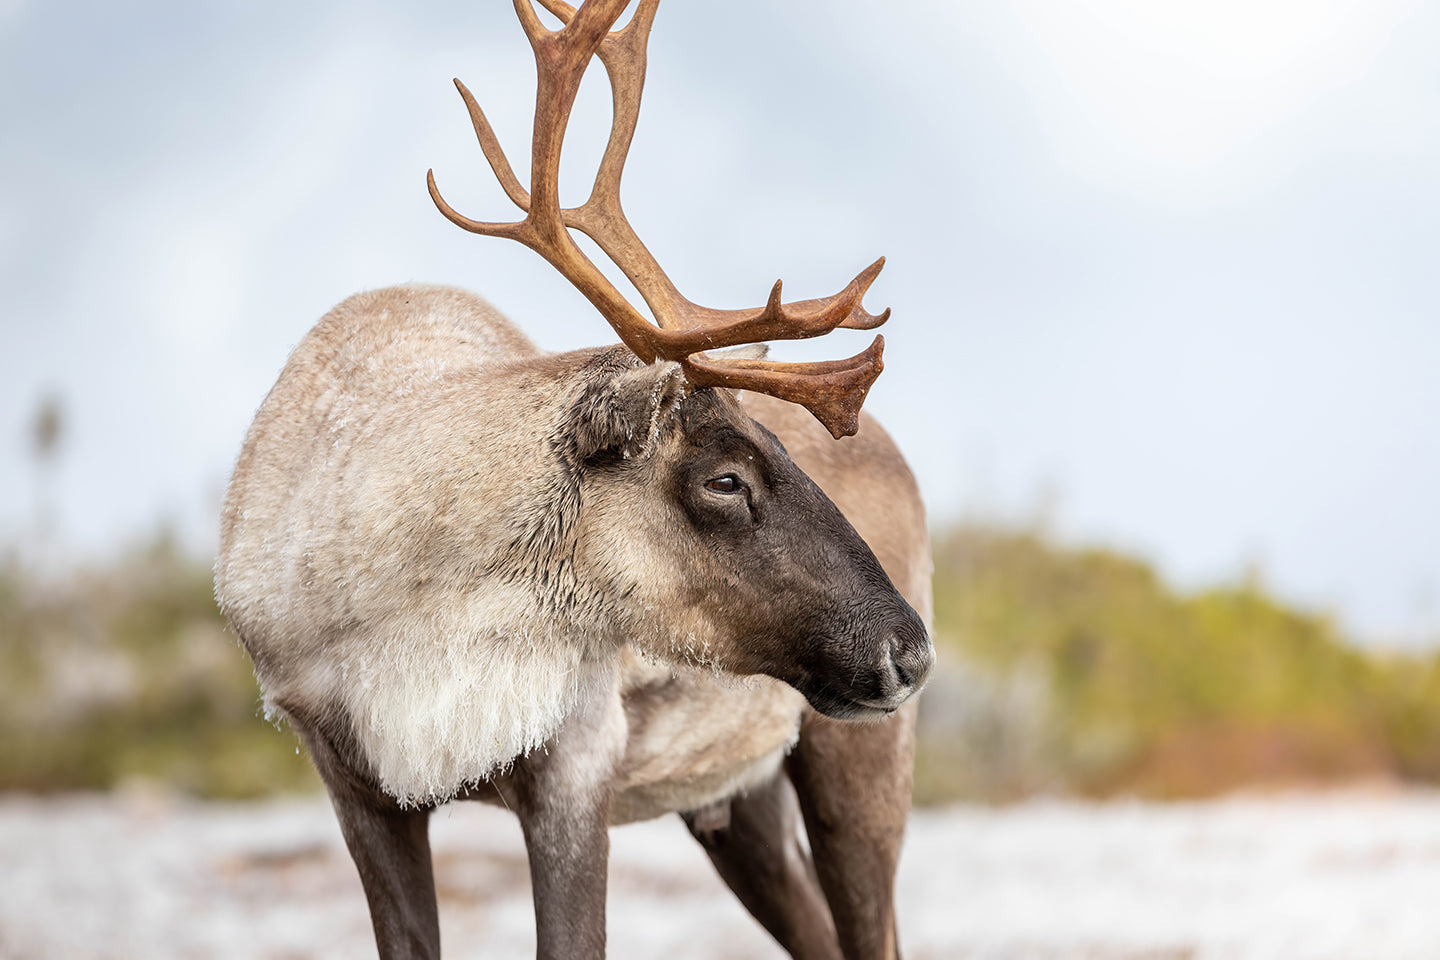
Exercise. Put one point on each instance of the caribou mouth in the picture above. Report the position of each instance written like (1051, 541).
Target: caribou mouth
(838, 706)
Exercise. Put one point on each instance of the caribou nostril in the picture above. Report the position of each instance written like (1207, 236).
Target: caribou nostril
(911, 655)
(911, 662)
(902, 674)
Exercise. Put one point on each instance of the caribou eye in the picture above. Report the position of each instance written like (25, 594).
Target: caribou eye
(726, 484)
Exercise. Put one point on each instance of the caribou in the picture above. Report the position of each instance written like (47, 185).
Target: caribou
(594, 587)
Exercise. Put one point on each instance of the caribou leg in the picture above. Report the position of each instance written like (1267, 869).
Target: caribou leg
(562, 795)
(853, 784)
(391, 850)
(759, 855)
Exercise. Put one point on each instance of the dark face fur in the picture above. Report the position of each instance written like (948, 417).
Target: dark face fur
(786, 573)
(723, 551)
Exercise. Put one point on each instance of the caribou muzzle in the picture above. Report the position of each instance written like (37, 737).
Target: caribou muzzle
(871, 675)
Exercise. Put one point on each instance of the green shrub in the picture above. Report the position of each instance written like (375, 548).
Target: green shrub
(128, 672)
(1161, 693)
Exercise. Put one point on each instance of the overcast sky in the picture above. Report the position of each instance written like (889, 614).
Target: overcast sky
(1163, 273)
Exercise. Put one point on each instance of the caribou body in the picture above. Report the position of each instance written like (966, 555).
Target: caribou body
(596, 586)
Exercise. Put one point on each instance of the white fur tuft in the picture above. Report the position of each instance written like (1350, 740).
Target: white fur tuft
(438, 706)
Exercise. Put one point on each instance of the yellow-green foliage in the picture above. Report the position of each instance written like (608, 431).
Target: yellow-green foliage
(1060, 669)
(1162, 693)
(127, 672)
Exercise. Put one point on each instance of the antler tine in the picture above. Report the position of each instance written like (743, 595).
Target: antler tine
(833, 390)
(777, 320)
(560, 8)
(490, 146)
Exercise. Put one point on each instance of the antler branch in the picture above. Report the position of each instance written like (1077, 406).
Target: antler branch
(833, 391)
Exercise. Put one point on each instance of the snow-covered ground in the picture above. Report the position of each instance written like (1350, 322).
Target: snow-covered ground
(1351, 875)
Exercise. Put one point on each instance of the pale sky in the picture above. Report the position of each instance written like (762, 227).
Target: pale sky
(1163, 273)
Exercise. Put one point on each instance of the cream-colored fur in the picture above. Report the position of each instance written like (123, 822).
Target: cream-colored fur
(443, 701)
(696, 737)
(374, 508)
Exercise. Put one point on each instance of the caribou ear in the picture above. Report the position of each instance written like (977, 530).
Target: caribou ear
(625, 406)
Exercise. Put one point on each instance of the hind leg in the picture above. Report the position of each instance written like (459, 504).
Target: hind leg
(853, 784)
(759, 855)
(391, 850)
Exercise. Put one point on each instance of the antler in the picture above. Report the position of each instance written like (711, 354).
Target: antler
(833, 391)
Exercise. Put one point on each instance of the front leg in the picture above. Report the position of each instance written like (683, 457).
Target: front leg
(853, 783)
(390, 845)
(562, 795)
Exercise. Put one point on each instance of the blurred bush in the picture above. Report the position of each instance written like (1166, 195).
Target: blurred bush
(127, 672)
(1062, 670)
(1079, 670)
